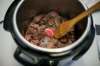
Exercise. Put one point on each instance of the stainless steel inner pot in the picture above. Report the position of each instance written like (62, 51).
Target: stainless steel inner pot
(27, 9)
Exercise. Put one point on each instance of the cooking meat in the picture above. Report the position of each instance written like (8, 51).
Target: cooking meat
(35, 32)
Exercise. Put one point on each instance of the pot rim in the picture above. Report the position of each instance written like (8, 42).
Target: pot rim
(56, 50)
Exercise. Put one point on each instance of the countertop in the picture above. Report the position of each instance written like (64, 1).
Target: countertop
(7, 45)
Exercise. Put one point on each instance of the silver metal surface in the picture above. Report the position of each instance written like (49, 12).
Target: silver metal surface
(50, 51)
(8, 46)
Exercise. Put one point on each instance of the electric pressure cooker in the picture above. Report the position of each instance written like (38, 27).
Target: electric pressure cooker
(21, 10)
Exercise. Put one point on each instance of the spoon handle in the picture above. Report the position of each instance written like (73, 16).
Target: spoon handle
(86, 13)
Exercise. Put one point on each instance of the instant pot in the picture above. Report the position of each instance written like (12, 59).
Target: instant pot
(21, 10)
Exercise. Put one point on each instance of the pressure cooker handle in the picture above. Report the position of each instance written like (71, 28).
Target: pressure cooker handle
(22, 59)
(33, 61)
(9, 16)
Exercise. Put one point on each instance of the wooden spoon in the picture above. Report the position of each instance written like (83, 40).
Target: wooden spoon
(66, 26)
